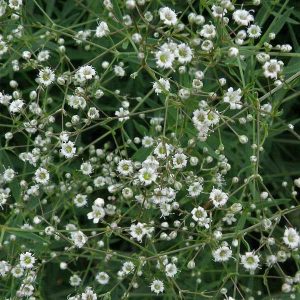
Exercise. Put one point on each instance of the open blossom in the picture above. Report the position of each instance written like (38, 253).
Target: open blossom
(272, 68)
(222, 254)
(147, 176)
(164, 59)
(242, 17)
(139, 230)
(42, 176)
(98, 212)
(85, 73)
(79, 239)
(27, 260)
(168, 16)
(68, 149)
(218, 197)
(162, 85)
(250, 261)
(157, 286)
(46, 76)
(291, 238)
(233, 97)
(102, 30)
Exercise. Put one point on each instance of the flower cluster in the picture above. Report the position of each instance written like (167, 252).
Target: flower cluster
(138, 151)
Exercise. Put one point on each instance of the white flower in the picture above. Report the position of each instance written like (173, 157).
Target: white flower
(75, 280)
(138, 231)
(162, 150)
(157, 286)
(46, 76)
(254, 31)
(3, 47)
(272, 68)
(15, 4)
(184, 53)
(233, 98)
(222, 254)
(291, 238)
(68, 149)
(218, 197)
(86, 168)
(3, 6)
(41, 176)
(168, 16)
(250, 261)
(195, 189)
(199, 213)
(43, 55)
(147, 176)
(80, 200)
(27, 260)
(242, 17)
(85, 73)
(218, 11)
(16, 106)
(89, 294)
(125, 167)
(4, 267)
(179, 160)
(208, 31)
(98, 212)
(233, 52)
(171, 270)
(119, 71)
(8, 175)
(122, 114)
(102, 278)
(162, 85)
(3, 198)
(79, 238)
(164, 58)
(76, 101)
(102, 30)
(17, 271)
(147, 141)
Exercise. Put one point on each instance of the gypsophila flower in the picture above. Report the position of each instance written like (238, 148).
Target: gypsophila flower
(222, 254)
(254, 31)
(122, 114)
(68, 149)
(147, 175)
(102, 278)
(102, 30)
(86, 168)
(242, 17)
(233, 97)
(218, 197)
(250, 261)
(85, 73)
(168, 16)
(291, 238)
(79, 238)
(46, 76)
(125, 167)
(157, 286)
(164, 59)
(80, 200)
(98, 211)
(27, 260)
(4, 267)
(162, 85)
(41, 176)
(272, 68)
